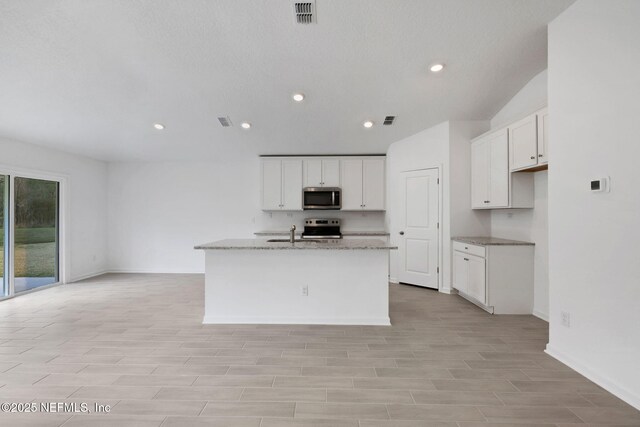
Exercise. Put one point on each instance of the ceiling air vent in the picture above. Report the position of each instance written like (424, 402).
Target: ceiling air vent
(225, 121)
(305, 12)
(388, 121)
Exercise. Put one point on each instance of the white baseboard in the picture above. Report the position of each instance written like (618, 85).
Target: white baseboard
(88, 276)
(393, 280)
(213, 320)
(604, 382)
(133, 271)
(541, 315)
(448, 291)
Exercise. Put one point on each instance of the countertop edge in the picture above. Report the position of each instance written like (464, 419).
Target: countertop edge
(491, 241)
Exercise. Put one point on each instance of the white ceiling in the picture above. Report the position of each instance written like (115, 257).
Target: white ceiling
(91, 77)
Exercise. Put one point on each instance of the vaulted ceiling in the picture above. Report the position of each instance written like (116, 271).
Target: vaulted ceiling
(92, 77)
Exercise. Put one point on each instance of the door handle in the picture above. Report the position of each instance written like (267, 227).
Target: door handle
(539, 155)
(401, 233)
(466, 259)
(533, 157)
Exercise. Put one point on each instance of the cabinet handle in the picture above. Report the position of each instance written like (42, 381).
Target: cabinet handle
(401, 233)
(466, 247)
(466, 259)
(539, 155)
(533, 157)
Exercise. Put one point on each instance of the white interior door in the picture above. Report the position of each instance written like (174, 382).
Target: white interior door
(418, 239)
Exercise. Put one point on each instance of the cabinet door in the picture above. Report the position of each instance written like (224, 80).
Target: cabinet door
(331, 173)
(523, 143)
(476, 285)
(351, 184)
(271, 184)
(292, 185)
(373, 184)
(499, 170)
(480, 174)
(460, 271)
(543, 130)
(312, 169)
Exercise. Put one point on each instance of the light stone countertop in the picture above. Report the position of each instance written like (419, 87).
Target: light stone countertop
(262, 244)
(491, 241)
(344, 233)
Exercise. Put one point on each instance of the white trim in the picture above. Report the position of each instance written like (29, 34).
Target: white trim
(393, 280)
(212, 320)
(541, 315)
(136, 271)
(449, 291)
(606, 383)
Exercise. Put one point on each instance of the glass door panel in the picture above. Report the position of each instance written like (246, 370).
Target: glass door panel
(36, 233)
(4, 235)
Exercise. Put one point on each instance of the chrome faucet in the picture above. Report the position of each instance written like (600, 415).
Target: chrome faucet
(292, 234)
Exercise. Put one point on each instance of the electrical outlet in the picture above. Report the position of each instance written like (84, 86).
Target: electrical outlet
(565, 318)
(304, 291)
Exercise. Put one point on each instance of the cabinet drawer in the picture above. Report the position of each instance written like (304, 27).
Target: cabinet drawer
(470, 249)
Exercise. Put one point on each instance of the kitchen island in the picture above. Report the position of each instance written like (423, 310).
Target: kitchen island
(332, 282)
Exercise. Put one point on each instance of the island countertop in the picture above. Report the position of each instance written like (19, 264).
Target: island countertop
(263, 244)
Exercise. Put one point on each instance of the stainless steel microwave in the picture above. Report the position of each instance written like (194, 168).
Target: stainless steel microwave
(321, 198)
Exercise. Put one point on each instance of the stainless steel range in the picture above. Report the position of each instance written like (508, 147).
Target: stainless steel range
(322, 228)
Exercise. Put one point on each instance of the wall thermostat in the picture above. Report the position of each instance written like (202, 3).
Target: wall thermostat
(600, 185)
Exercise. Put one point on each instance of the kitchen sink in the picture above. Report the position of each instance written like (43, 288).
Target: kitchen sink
(295, 241)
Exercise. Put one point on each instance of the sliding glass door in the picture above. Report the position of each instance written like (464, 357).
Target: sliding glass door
(29, 233)
(35, 250)
(4, 235)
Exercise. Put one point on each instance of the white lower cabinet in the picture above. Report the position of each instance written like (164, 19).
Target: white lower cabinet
(497, 278)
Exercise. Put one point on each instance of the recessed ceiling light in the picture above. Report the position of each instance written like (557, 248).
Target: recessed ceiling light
(368, 124)
(158, 126)
(246, 125)
(298, 97)
(436, 68)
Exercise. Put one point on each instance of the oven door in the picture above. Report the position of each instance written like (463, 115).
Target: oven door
(321, 198)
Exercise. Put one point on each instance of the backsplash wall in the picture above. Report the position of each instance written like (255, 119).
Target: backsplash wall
(351, 221)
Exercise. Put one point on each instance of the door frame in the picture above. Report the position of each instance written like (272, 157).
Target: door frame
(63, 209)
(439, 168)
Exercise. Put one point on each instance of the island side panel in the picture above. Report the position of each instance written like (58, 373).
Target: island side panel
(345, 287)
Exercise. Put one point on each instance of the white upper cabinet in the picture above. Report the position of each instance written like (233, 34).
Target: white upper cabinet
(271, 184)
(361, 179)
(528, 142)
(281, 184)
(352, 184)
(321, 172)
(523, 143)
(373, 184)
(363, 184)
(490, 171)
(492, 185)
(543, 131)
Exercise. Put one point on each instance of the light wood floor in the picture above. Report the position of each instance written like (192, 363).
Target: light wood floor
(136, 342)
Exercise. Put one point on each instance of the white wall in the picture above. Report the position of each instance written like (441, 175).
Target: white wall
(159, 211)
(530, 98)
(434, 148)
(594, 88)
(528, 224)
(86, 202)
